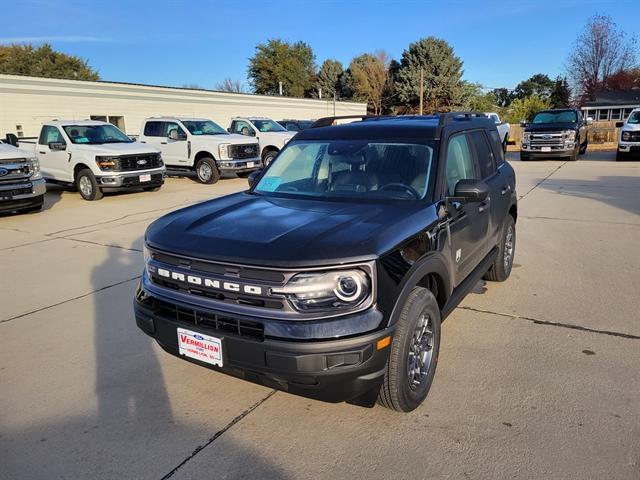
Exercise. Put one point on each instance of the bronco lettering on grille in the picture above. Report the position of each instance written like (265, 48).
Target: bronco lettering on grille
(208, 282)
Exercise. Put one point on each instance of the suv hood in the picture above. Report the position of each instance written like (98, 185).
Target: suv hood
(255, 230)
(133, 148)
(8, 152)
(550, 127)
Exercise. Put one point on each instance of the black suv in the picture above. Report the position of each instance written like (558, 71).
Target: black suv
(330, 276)
(555, 133)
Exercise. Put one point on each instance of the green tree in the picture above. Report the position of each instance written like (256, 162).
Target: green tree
(560, 94)
(526, 108)
(475, 99)
(539, 84)
(502, 96)
(369, 79)
(328, 80)
(44, 61)
(278, 61)
(443, 87)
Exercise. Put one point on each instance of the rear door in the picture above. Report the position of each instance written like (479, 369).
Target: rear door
(54, 164)
(468, 222)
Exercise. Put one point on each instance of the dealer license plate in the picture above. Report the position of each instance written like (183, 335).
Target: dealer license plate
(200, 347)
(546, 149)
(251, 164)
(145, 178)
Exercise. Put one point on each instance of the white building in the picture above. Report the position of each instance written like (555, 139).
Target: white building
(27, 102)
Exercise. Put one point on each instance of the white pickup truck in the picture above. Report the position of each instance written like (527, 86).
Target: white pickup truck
(96, 157)
(629, 137)
(200, 145)
(503, 128)
(22, 187)
(270, 134)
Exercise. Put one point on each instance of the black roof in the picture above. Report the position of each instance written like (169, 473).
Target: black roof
(617, 97)
(406, 126)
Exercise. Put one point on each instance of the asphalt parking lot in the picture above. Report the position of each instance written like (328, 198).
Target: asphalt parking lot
(538, 377)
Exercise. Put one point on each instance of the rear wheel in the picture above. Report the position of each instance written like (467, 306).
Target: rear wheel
(414, 353)
(87, 185)
(502, 265)
(207, 171)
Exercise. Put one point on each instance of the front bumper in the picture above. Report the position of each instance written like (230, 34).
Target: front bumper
(629, 149)
(329, 369)
(239, 166)
(536, 152)
(111, 182)
(22, 195)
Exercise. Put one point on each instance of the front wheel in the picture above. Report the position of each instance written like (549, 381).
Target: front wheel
(207, 171)
(414, 353)
(268, 157)
(583, 147)
(502, 265)
(87, 185)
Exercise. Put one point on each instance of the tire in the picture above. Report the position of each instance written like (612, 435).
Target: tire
(397, 392)
(207, 171)
(87, 185)
(620, 157)
(501, 267)
(268, 157)
(574, 154)
(243, 174)
(524, 157)
(583, 147)
(504, 144)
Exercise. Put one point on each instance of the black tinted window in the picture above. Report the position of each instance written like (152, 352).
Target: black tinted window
(460, 164)
(153, 129)
(497, 146)
(484, 154)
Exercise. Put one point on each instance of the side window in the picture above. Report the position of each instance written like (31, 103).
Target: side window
(242, 127)
(497, 146)
(460, 162)
(168, 126)
(153, 129)
(483, 154)
(50, 135)
(292, 127)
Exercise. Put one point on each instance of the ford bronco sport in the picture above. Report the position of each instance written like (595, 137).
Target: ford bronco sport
(330, 276)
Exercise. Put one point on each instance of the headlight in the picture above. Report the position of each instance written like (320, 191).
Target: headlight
(525, 137)
(107, 164)
(223, 151)
(34, 167)
(341, 289)
(626, 136)
(570, 135)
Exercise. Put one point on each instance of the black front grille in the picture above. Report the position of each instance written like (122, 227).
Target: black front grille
(206, 320)
(128, 163)
(633, 137)
(243, 151)
(11, 161)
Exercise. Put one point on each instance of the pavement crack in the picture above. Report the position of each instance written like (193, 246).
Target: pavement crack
(219, 433)
(106, 287)
(570, 326)
(604, 222)
(99, 244)
(542, 181)
(27, 244)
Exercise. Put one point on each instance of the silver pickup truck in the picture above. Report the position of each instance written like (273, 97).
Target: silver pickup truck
(22, 187)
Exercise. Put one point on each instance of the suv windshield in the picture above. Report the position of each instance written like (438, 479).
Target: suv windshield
(566, 116)
(204, 127)
(634, 118)
(95, 134)
(350, 168)
(268, 126)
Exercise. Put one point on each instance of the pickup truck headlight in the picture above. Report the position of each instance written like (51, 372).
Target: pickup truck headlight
(107, 164)
(525, 137)
(626, 136)
(34, 167)
(570, 135)
(223, 151)
(333, 290)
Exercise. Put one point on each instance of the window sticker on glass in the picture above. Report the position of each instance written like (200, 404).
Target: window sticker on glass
(270, 184)
(81, 140)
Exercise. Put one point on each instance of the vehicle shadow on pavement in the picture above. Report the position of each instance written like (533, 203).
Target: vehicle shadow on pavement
(616, 191)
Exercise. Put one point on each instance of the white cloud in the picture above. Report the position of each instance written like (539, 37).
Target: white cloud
(55, 38)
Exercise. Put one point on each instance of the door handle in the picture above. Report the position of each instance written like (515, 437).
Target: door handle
(163, 143)
(505, 190)
(43, 153)
(484, 205)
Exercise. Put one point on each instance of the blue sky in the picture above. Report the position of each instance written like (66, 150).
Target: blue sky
(177, 43)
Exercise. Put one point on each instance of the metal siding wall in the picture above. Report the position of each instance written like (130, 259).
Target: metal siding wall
(30, 101)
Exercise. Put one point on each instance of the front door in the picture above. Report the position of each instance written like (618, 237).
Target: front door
(54, 163)
(174, 152)
(468, 222)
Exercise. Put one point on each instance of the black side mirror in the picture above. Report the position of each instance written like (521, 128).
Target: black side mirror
(12, 139)
(229, 130)
(470, 190)
(618, 125)
(253, 177)
(57, 146)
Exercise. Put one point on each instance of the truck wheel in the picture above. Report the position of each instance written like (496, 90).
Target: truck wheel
(524, 157)
(414, 353)
(501, 267)
(268, 157)
(583, 147)
(504, 144)
(207, 171)
(574, 154)
(87, 185)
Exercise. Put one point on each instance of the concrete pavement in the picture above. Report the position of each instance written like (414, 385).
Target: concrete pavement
(538, 377)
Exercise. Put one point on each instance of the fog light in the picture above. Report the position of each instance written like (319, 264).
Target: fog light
(109, 180)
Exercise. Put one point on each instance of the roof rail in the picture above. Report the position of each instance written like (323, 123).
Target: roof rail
(328, 121)
(449, 117)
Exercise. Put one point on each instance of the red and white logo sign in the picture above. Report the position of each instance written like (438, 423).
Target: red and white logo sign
(200, 347)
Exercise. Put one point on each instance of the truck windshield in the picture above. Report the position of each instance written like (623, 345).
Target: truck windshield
(95, 134)
(634, 118)
(567, 116)
(268, 126)
(204, 127)
(350, 169)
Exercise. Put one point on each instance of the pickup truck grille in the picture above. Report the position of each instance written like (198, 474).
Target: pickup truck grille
(633, 137)
(243, 151)
(127, 163)
(546, 139)
(14, 170)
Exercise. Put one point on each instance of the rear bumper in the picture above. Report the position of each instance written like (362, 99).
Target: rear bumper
(239, 166)
(126, 181)
(330, 370)
(22, 195)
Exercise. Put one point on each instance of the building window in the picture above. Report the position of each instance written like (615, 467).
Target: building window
(627, 112)
(117, 120)
(603, 114)
(615, 113)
